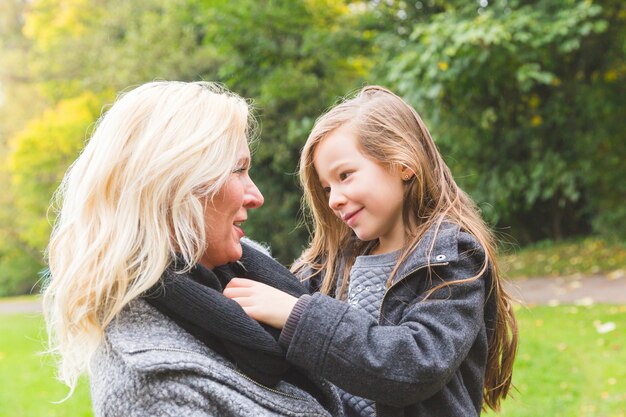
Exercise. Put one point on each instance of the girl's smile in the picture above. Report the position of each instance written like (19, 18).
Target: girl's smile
(350, 218)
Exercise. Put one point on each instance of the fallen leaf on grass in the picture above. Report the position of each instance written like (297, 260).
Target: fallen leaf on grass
(603, 328)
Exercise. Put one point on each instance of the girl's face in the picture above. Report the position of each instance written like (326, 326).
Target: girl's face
(365, 195)
(223, 217)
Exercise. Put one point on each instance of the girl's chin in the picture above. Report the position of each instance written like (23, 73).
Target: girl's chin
(363, 235)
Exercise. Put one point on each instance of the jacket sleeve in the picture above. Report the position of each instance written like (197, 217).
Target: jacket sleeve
(397, 364)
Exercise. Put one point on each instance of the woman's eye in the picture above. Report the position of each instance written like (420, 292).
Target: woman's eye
(344, 175)
(240, 170)
(326, 190)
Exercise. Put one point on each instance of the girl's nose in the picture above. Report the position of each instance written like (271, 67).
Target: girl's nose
(253, 197)
(336, 199)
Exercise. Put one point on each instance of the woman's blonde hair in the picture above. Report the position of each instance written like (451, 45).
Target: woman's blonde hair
(392, 133)
(131, 202)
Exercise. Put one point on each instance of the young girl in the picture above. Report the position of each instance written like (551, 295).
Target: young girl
(408, 315)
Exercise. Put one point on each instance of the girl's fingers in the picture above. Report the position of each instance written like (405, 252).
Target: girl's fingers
(238, 287)
(241, 282)
(234, 292)
(243, 302)
(251, 311)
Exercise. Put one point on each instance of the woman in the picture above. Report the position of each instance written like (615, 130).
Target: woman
(159, 194)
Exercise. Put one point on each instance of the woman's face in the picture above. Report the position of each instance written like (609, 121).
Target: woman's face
(226, 213)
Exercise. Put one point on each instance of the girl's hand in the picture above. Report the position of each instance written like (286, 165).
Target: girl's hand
(261, 302)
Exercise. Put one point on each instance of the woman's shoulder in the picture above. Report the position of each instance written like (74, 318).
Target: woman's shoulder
(141, 347)
(151, 364)
(144, 337)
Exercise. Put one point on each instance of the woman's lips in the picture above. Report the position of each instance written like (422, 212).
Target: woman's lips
(239, 229)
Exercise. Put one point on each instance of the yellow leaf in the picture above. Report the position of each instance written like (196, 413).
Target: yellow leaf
(534, 101)
(610, 76)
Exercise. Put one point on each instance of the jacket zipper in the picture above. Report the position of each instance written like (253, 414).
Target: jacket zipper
(234, 370)
(382, 302)
(295, 397)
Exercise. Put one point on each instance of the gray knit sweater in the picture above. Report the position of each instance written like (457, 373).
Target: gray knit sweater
(149, 366)
(366, 288)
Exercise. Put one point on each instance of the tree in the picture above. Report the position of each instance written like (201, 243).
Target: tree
(39, 156)
(524, 97)
(293, 59)
(117, 44)
(19, 101)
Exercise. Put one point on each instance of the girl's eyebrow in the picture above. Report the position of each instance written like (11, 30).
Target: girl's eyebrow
(337, 166)
(331, 171)
(334, 167)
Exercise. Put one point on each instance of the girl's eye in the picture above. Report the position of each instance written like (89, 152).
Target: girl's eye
(344, 175)
(326, 190)
(240, 170)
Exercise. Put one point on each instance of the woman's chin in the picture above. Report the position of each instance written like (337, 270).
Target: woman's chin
(222, 256)
(234, 253)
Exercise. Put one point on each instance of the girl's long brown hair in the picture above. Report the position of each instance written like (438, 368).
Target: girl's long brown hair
(393, 134)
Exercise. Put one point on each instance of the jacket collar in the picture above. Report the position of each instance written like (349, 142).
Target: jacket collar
(444, 249)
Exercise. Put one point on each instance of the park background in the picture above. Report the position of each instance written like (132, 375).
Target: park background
(526, 99)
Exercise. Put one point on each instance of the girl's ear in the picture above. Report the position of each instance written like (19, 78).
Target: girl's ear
(406, 173)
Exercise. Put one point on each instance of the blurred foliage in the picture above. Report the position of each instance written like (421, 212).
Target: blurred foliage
(38, 157)
(587, 256)
(293, 63)
(525, 98)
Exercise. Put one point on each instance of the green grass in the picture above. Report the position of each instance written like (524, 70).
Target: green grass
(588, 256)
(27, 379)
(565, 367)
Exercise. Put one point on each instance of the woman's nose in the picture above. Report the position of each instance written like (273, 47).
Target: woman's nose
(253, 197)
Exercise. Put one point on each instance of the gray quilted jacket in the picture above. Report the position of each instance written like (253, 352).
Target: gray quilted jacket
(149, 366)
